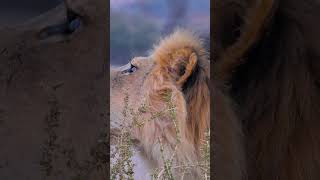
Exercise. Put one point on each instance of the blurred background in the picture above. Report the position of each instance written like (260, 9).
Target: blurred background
(135, 25)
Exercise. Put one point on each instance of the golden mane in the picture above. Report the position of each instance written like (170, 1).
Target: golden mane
(179, 80)
(195, 90)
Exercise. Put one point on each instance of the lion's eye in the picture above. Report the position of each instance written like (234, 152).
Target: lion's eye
(130, 69)
(72, 24)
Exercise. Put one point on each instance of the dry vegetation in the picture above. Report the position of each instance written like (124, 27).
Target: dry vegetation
(122, 166)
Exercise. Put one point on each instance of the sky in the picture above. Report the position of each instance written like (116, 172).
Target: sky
(120, 3)
(198, 11)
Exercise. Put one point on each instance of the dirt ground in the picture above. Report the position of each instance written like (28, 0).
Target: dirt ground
(54, 101)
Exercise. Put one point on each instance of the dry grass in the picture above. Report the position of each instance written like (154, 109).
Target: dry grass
(122, 165)
(121, 154)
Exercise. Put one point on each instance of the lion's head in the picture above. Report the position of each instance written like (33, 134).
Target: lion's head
(128, 80)
(166, 98)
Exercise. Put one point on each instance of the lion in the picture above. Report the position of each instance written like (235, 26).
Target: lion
(230, 159)
(176, 76)
(57, 87)
(170, 90)
(275, 84)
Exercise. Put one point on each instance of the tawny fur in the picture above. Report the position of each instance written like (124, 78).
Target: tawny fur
(179, 71)
(227, 144)
(257, 19)
(277, 87)
(229, 152)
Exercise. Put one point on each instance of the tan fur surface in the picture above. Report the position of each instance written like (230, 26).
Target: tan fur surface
(276, 86)
(257, 20)
(228, 145)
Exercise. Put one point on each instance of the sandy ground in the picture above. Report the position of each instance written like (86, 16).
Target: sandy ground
(53, 103)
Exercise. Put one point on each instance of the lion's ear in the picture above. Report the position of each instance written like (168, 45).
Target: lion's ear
(191, 64)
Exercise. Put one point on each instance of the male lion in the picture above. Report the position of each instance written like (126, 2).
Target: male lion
(169, 95)
(277, 87)
(53, 100)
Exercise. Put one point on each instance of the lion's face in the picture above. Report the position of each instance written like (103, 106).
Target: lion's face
(128, 81)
